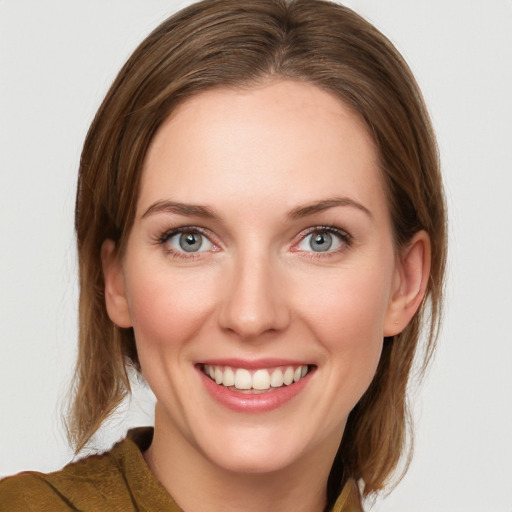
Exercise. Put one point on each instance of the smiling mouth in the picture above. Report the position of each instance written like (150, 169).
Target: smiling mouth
(262, 380)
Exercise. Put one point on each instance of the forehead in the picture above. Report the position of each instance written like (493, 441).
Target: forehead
(285, 142)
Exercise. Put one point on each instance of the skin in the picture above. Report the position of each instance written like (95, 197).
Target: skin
(257, 289)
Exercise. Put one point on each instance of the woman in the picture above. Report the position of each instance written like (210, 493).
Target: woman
(260, 226)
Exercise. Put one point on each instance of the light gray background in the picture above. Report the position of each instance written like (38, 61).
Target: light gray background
(57, 59)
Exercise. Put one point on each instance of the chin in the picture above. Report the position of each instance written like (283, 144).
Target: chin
(257, 449)
(255, 460)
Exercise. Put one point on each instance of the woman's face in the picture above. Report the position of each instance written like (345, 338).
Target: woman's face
(261, 255)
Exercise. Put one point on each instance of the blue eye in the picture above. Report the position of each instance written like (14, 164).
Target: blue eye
(324, 240)
(189, 240)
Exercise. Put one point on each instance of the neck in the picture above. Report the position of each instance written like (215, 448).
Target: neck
(195, 483)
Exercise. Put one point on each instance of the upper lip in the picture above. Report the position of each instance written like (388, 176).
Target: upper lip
(251, 364)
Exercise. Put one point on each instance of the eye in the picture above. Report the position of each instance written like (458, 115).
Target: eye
(187, 240)
(325, 239)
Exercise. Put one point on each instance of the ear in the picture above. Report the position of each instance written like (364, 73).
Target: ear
(115, 294)
(410, 283)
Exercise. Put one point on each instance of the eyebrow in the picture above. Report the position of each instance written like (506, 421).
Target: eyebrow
(299, 212)
(180, 209)
(320, 206)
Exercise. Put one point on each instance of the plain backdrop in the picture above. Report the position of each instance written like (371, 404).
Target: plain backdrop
(57, 59)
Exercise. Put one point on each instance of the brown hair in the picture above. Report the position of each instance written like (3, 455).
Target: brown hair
(219, 43)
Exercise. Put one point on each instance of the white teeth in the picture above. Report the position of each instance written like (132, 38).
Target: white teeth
(288, 376)
(276, 379)
(229, 377)
(260, 380)
(243, 379)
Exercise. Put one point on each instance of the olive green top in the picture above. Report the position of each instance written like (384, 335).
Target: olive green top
(117, 481)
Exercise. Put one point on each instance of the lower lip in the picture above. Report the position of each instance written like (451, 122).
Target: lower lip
(253, 403)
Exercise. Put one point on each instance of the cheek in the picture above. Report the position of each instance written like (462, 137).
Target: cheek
(167, 309)
(350, 305)
(348, 320)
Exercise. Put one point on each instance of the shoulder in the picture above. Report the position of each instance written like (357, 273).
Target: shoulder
(24, 492)
(95, 483)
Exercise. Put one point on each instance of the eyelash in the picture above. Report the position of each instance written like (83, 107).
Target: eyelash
(345, 238)
(169, 233)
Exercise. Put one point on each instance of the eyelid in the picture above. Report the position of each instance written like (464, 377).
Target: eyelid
(171, 232)
(168, 233)
(345, 238)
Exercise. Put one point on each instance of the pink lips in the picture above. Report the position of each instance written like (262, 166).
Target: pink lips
(248, 402)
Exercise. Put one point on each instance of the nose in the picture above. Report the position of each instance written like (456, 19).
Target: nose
(255, 300)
